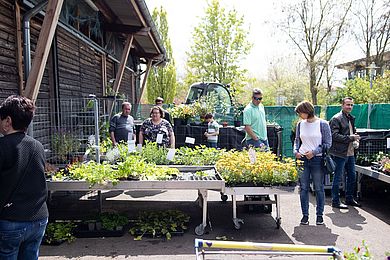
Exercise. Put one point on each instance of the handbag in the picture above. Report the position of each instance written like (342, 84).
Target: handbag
(329, 164)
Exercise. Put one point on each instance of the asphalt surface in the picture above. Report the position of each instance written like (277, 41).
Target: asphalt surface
(344, 229)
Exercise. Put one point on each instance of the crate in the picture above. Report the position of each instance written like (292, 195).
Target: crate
(373, 141)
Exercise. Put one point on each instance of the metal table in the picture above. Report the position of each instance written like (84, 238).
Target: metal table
(202, 184)
(266, 190)
(366, 170)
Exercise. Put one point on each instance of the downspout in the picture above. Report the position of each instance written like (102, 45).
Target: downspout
(26, 35)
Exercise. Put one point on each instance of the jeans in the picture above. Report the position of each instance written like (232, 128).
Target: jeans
(349, 165)
(314, 168)
(212, 145)
(21, 240)
(257, 143)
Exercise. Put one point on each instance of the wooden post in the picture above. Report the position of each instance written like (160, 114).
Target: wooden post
(145, 78)
(122, 65)
(19, 47)
(43, 47)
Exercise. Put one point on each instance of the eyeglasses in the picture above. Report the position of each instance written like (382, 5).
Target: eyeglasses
(258, 98)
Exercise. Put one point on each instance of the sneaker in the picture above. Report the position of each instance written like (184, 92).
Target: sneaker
(353, 203)
(305, 220)
(340, 206)
(320, 220)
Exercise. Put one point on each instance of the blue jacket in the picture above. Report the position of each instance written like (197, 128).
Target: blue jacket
(326, 138)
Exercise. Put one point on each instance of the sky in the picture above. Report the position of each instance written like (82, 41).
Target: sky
(260, 17)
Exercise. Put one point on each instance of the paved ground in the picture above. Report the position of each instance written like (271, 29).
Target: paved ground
(344, 229)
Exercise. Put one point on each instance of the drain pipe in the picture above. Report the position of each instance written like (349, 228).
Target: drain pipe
(26, 35)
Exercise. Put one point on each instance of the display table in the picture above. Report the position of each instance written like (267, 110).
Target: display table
(367, 171)
(275, 190)
(189, 182)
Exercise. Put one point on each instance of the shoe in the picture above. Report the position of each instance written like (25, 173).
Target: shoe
(320, 220)
(353, 203)
(340, 206)
(305, 220)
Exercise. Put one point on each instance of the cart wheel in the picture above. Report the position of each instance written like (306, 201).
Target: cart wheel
(278, 223)
(224, 197)
(237, 226)
(237, 223)
(199, 230)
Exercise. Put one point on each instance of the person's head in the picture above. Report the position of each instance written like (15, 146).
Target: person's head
(209, 117)
(257, 96)
(305, 110)
(126, 108)
(347, 105)
(159, 101)
(16, 113)
(156, 113)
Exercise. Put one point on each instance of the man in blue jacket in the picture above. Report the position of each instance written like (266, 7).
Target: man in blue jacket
(344, 142)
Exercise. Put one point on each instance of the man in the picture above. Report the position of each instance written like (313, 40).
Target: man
(159, 102)
(23, 190)
(254, 121)
(122, 125)
(344, 141)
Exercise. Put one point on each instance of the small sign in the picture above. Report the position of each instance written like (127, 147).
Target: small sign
(190, 140)
(252, 155)
(171, 154)
(139, 147)
(131, 145)
(159, 138)
(388, 143)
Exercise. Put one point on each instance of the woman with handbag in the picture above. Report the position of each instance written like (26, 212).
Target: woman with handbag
(23, 191)
(312, 136)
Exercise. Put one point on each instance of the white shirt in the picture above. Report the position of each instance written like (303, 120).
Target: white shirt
(310, 134)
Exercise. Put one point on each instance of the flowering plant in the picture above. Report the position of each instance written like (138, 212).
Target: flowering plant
(182, 111)
(359, 253)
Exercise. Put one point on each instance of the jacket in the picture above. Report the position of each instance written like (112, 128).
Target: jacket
(341, 136)
(326, 138)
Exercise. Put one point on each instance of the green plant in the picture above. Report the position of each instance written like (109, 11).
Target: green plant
(359, 253)
(64, 143)
(159, 223)
(200, 155)
(182, 111)
(111, 221)
(59, 231)
(152, 153)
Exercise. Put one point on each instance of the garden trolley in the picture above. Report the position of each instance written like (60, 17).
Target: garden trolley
(257, 190)
(250, 248)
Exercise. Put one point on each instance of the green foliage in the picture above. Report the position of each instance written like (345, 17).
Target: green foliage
(59, 231)
(359, 253)
(359, 90)
(94, 173)
(159, 223)
(200, 155)
(162, 80)
(219, 44)
(64, 143)
(182, 111)
(152, 153)
(110, 221)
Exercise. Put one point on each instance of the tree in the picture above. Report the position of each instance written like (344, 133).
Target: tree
(315, 27)
(219, 44)
(162, 80)
(373, 30)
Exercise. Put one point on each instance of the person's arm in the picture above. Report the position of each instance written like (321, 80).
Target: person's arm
(172, 137)
(250, 132)
(141, 137)
(335, 127)
(297, 141)
(112, 135)
(112, 129)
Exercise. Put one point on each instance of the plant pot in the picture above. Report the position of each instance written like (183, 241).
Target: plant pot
(180, 121)
(91, 226)
(237, 123)
(224, 124)
(98, 225)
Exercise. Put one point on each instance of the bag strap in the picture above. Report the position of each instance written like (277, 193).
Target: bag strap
(9, 203)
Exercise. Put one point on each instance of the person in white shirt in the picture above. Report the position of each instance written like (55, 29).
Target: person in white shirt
(212, 131)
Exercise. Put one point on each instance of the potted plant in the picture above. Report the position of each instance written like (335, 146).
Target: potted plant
(238, 109)
(113, 221)
(181, 114)
(65, 145)
(58, 232)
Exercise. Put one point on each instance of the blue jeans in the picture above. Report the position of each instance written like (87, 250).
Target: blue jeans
(257, 143)
(21, 240)
(212, 145)
(314, 168)
(349, 164)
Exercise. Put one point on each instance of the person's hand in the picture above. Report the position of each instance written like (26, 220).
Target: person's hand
(309, 155)
(355, 137)
(206, 134)
(298, 155)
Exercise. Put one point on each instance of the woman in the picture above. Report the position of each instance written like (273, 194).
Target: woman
(313, 135)
(156, 129)
(23, 191)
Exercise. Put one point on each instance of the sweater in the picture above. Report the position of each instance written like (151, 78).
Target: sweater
(23, 190)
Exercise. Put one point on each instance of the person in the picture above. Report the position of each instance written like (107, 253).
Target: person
(157, 129)
(313, 136)
(23, 190)
(254, 121)
(344, 139)
(122, 125)
(212, 131)
(159, 102)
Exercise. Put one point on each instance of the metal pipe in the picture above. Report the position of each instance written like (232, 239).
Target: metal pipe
(26, 35)
(96, 115)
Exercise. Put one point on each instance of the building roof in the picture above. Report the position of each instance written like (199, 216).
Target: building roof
(360, 63)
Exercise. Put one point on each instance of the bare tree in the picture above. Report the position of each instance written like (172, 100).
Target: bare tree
(316, 27)
(373, 29)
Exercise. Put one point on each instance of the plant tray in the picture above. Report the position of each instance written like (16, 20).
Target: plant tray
(53, 243)
(82, 231)
(179, 232)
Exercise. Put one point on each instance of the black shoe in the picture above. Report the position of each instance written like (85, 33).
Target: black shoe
(305, 220)
(353, 203)
(320, 220)
(340, 206)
